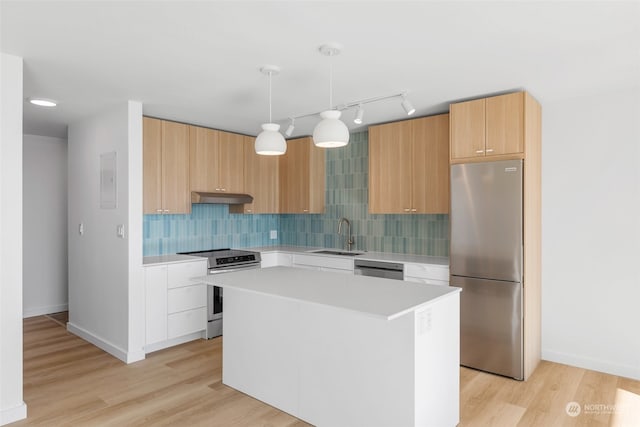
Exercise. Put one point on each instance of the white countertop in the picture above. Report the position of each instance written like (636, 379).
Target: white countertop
(170, 259)
(373, 296)
(374, 256)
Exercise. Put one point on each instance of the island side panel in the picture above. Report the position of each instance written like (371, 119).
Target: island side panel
(355, 369)
(260, 351)
(437, 356)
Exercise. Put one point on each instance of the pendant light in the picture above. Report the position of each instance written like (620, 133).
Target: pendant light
(270, 142)
(330, 132)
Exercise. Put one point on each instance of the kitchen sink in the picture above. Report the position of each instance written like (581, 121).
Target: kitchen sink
(336, 252)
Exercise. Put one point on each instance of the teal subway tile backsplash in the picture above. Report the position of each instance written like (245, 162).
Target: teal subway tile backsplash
(212, 226)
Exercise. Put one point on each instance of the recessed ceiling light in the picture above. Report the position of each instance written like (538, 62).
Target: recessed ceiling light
(42, 102)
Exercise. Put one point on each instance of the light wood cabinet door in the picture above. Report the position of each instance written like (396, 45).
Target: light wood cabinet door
(175, 168)
(390, 152)
(430, 165)
(294, 177)
(165, 153)
(302, 177)
(203, 158)
(231, 162)
(261, 181)
(152, 165)
(467, 129)
(217, 160)
(505, 124)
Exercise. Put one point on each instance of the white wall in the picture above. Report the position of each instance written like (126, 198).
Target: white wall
(100, 301)
(591, 232)
(12, 407)
(44, 234)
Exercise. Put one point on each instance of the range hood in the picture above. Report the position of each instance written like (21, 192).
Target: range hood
(220, 198)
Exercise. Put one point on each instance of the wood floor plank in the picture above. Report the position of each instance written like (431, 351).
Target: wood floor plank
(69, 382)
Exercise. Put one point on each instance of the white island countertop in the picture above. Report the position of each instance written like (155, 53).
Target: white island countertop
(372, 296)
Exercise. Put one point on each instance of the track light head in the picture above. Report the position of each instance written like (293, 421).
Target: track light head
(290, 128)
(359, 115)
(407, 105)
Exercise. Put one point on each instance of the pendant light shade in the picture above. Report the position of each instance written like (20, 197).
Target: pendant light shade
(270, 142)
(331, 132)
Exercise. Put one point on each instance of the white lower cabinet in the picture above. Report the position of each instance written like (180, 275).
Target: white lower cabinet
(323, 263)
(427, 273)
(175, 305)
(155, 279)
(186, 322)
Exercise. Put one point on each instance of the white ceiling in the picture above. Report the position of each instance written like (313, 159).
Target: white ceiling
(198, 62)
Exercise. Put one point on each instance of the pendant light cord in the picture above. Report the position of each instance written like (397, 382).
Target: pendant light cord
(330, 81)
(270, 73)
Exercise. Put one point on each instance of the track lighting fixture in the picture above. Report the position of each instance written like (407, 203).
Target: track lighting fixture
(270, 142)
(359, 115)
(330, 132)
(290, 128)
(406, 104)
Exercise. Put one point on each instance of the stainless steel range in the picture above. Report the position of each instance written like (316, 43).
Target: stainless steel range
(220, 261)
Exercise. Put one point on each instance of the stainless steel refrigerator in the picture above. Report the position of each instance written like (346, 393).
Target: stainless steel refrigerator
(486, 262)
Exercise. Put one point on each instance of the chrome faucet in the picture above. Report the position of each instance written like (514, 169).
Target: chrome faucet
(350, 239)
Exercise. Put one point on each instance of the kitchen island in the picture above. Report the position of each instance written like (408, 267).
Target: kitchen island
(341, 350)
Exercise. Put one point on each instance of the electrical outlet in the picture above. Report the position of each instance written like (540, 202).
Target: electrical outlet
(81, 229)
(120, 231)
(273, 234)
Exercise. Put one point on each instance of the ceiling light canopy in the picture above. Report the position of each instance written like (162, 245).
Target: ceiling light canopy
(330, 132)
(270, 141)
(43, 102)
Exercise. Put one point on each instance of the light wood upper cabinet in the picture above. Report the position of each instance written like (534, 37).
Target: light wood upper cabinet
(231, 164)
(260, 181)
(488, 128)
(505, 124)
(430, 180)
(390, 152)
(302, 177)
(409, 166)
(217, 160)
(468, 129)
(165, 167)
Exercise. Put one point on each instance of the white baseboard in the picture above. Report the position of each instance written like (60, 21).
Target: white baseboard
(126, 357)
(11, 415)
(39, 311)
(627, 371)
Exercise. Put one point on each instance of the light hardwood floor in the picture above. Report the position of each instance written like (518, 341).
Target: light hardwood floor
(69, 382)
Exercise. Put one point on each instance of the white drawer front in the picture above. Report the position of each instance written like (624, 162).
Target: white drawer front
(180, 274)
(427, 271)
(269, 260)
(186, 322)
(186, 298)
(427, 281)
(323, 261)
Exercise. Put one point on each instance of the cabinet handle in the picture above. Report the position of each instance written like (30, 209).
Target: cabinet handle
(479, 151)
(407, 210)
(489, 150)
(249, 211)
(166, 211)
(159, 210)
(223, 189)
(217, 189)
(414, 210)
(305, 210)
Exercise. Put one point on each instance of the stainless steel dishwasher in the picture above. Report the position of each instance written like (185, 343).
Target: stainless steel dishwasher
(387, 270)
